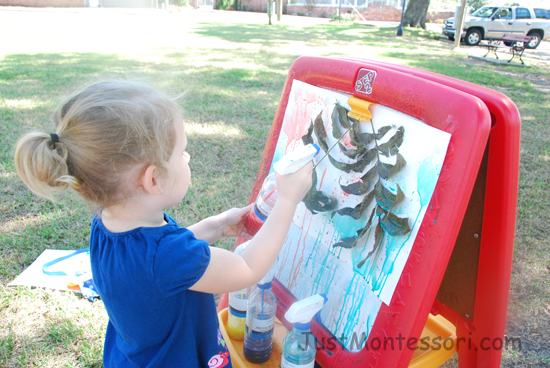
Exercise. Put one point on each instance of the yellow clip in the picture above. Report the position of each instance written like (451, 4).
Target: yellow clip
(359, 109)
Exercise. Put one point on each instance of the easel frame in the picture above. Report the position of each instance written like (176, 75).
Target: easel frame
(415, 296)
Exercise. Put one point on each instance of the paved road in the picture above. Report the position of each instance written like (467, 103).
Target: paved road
(543, 51)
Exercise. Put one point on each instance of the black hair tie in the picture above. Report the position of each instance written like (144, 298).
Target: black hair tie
(55, 139)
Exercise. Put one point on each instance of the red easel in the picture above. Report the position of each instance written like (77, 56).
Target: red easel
(482, 240)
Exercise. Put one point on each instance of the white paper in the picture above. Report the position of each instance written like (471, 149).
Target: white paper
(308, 263)
(34, 276)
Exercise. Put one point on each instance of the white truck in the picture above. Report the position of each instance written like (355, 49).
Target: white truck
(493, 22)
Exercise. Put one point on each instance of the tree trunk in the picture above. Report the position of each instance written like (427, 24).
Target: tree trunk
(415, 15)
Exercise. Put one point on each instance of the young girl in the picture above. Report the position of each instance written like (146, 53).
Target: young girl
(122, 147)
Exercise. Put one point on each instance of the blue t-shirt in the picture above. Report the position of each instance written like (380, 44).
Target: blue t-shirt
(143, 277)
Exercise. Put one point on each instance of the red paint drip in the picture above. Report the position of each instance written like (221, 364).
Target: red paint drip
(301, 260)
(297, 269)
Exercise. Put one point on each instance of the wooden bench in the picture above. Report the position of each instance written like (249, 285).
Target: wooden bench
(517, 45)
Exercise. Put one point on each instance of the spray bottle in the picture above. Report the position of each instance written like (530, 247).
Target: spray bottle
(267, 197)
(236, 320)
(260, 321)
(299, 345)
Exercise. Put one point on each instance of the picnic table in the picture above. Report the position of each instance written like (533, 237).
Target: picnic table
(516, 45)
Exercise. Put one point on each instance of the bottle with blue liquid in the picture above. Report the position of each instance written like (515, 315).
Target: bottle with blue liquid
(299, 346)
(260, 322)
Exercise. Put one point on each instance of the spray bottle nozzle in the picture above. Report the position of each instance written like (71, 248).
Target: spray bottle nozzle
(296, 159)
(302, 312)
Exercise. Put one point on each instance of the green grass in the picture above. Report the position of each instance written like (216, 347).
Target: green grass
(233, 75)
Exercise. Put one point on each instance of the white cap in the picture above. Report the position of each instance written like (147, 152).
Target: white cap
(302, 312)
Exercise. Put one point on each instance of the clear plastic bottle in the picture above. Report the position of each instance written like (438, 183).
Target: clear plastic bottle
(299, 346)
(299, 349)
(260, 322)
(263, 206)
(238, 301)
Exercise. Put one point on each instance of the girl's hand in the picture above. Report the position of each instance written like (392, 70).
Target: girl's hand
(295, 186)
(233, 222)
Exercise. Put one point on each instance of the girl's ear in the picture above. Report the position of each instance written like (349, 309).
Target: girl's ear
(150, 180)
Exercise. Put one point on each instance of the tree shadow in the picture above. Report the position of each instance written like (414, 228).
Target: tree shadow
(313, 36)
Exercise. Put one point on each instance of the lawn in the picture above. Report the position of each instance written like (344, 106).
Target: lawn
(232, 74)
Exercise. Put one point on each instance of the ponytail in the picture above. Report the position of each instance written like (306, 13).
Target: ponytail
(42, 164)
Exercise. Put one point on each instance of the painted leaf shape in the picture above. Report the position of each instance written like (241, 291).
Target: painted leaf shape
(358, 166)
(307, 139)
(356, 188)
(316, 201)
(399, 195)
(343, 116)
(380, 211)
(340, 165)
(385, 198)
(369, 137)
(355, 134)
(335, 127)
(346, 242)
(354, 212)
(378, 237)
(395, 225)
(351, 153)
(358, 210)
(327, 203)
(363, 231)
(320, 132)
(386, 170)
(360, 187)
(370, 155)
(366, 138)
(382, 132)
(369, 175)
(391, 147)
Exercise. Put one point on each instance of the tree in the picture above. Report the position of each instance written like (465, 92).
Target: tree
(415, 15)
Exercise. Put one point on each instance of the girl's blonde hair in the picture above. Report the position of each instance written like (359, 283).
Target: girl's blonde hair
(106, 130)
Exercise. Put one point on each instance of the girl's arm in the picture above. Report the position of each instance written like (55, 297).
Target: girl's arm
(227, 271)
(228, 223)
